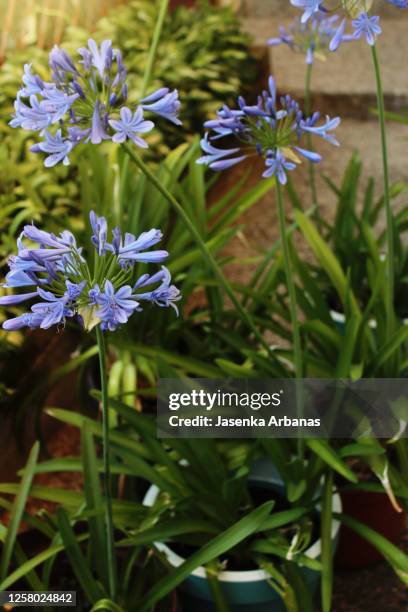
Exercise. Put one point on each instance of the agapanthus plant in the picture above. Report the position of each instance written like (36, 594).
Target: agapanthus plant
(368, 26)
(56, 273)
(85, 102)
(311, 38)
(274, 133)
(266, 130)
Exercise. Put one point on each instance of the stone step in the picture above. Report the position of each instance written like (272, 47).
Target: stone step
(272, 8)
(345, 81)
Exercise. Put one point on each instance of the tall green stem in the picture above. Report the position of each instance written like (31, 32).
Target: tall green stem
(308, 107)
(290, 283)
(199, 241)
(297, 346)
(106, 466)
(153, 47)
(389, 297)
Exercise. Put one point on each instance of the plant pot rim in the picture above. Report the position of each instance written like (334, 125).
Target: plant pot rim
(313, 552)
(340, 318)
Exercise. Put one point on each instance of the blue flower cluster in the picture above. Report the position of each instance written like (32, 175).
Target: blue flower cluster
(86, 102)
(403, 4)
(363, 24)
(56, 272)
(311, 38)
(267, 131)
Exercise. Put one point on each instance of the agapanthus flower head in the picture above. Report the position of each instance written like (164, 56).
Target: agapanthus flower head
(58, 278)
(358, 10)
(265, 129)
(86, 102)
(311, 38)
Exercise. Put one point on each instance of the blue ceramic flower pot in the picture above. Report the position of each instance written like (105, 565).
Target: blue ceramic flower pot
(245, 591)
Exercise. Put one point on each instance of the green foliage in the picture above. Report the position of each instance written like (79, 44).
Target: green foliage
(357, 238)
(203, 53)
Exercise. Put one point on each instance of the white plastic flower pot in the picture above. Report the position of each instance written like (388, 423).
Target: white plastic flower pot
(245, 591)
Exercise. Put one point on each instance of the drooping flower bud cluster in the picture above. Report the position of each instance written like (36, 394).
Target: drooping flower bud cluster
(54, 271)
(86, 102)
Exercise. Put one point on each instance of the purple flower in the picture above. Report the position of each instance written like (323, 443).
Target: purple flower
(403, 4)
(368, 27)
(34, 117)
(57, 103)
(32, 83)
(24, 277)
(53, 310)
(59, 60)
(57, 272)
(56, 146)
(45, 238)
(323, 130)
(165, 295)
(338, 36)
(310, 155)
(214, 157)
(311, 38)
(84, 102)
(98, 133)
(266, 130)
(115, 307)
(129, 126)
(277, 165)
(74, 290)
(132, 249)
(28, 319)
(101, 56)
(164, 103)
(100, 232)
(12, 300)
(309, 7)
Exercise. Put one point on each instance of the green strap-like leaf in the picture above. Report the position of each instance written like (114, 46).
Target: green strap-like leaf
(329, 456)
(327, 547)
(94, 503)
(79, 564)
(18, 510)
(395, 557)
(216, 547)
(108, 605)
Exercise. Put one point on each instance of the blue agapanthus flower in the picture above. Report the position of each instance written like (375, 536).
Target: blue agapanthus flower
(362, 23)
(367, 26)
(267, 131)
(403, 4)
(86, 102)
(310, 7)
(311, 38)
(55, 274)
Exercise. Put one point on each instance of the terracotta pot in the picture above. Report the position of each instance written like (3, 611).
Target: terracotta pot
(374, 510)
